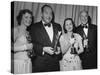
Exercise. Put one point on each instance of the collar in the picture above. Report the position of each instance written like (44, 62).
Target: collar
(85, 25)
(44, 23)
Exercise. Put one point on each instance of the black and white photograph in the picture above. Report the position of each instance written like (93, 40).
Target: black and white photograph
(52, 37)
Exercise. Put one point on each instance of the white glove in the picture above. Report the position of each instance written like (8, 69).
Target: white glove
(85, 42)
(72, 40)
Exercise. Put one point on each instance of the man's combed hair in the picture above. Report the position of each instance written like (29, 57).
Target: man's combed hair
(42, 8)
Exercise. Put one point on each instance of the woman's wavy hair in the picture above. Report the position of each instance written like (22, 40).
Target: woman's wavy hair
(65, 31)
(21, 13)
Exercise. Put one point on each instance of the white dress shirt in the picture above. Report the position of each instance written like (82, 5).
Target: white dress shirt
(49, 31)
(86, 30)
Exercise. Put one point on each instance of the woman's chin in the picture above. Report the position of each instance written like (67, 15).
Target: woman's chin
(69, 30)
(27, 25)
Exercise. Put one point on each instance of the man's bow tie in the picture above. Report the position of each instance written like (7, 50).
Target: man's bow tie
(85, 26)
(48, 24)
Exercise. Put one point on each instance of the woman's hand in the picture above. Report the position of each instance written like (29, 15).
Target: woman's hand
(72, 40)
(29, 46)
(85, 42)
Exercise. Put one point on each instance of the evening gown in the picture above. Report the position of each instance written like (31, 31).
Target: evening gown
(22, 63)
(70, 61)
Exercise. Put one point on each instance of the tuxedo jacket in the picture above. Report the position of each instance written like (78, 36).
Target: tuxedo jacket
(91, 56)
(40, 39)
(92, 35)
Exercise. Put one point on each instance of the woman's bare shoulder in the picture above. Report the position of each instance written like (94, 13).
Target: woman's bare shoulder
(15, 29)
(63, 37)
(77, 36)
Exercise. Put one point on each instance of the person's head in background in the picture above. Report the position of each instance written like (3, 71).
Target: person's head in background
(84, 17)
(69, 25)
(24, 17)
(47, 13)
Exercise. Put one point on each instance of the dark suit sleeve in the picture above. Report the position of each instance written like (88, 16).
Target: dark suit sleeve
(59, 29)
(93, 39)
(78, 30)
(37, 47)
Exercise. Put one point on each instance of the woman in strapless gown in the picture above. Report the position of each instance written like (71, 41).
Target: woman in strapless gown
(22, 45)
(71, 46)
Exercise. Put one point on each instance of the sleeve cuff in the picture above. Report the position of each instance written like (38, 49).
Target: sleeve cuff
(43, 53)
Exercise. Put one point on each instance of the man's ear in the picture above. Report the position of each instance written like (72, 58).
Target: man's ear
(41, 15)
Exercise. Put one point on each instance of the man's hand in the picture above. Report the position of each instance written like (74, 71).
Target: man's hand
(58, 50)
(48, 50)
(85, 42)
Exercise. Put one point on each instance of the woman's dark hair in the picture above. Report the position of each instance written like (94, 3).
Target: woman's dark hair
(72, 24)
(21, 13)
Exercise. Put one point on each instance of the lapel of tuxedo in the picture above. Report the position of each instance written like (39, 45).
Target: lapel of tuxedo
(89, 32)
(54, 35)
(82, 33)
(45, 34)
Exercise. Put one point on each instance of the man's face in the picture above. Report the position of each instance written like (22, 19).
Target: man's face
(84, 17)
(47, 15)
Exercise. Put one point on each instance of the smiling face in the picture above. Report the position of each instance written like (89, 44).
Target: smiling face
(84, 17)
(68, 25)
(26, 19)
(47, 14)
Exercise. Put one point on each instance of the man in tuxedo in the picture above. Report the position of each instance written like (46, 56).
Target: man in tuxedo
(88, 32)
(44, 37)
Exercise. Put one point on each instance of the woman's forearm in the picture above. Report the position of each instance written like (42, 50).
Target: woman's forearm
(64, 50)
(20, 48)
